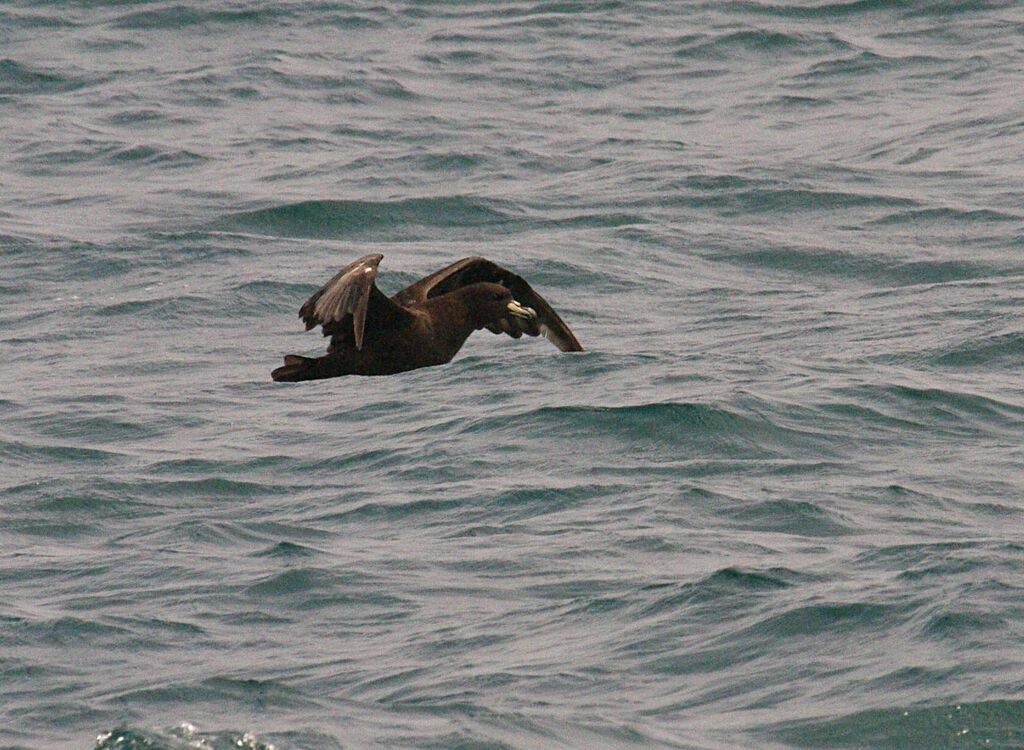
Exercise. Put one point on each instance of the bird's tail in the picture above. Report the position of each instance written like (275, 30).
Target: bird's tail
(297, 368)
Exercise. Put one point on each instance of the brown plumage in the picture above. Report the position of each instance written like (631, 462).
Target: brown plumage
(424, 324)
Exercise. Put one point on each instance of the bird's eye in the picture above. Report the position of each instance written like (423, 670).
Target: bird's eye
(498, 295)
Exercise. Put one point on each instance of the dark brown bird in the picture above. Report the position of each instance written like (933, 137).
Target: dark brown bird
(424, 324)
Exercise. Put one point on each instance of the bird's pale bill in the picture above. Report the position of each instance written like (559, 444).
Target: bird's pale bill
(520, 311)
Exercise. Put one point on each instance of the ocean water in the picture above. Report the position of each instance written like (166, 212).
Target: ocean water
(776, 503)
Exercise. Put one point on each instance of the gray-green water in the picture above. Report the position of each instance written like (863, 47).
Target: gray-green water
(777, 503)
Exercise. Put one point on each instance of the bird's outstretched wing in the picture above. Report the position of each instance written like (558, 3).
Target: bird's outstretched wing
(475, 270)
(347, 303)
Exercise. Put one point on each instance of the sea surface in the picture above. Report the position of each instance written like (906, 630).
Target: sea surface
(778, 502)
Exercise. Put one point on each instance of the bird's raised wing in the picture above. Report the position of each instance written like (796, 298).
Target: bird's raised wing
(475, 270)
(345, 304)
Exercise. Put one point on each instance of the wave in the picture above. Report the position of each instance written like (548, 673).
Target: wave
(154, 155)
(65, 630)
(679, 429)
(19, 79)
(993, 723)
(391, 512)
(825, 9)
(999, 350)
(868, 266)
(945, 215)
(309, 589)
(44, 160)
(288, 551)
(263, 296)
(240, 692)
(762, 43)
(110, 428)
(187, 17)
(942, 409)
(796, 517)
(16, 450)
(347, 218)
(350, 88)
(183, 308)
(734, 195)
(725, 588)
(413, 218)
(826, 618)
(179, 16)
(205, 487)
(868, 63)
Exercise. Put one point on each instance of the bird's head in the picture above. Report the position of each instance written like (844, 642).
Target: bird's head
(489, 303)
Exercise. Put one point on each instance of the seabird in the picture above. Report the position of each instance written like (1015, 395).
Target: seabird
(424, 324)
